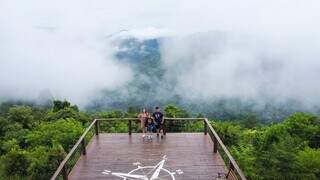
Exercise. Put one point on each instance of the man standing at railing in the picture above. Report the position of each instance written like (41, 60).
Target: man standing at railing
(159, 120)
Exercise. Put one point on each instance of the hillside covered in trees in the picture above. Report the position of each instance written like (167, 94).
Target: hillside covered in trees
(157, 80)
(34, 140)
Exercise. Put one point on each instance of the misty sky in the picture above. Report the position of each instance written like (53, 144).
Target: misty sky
(62, 47)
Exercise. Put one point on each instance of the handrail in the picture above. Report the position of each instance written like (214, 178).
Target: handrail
(231, 159)
(216, 140)
(63, 163)
(166, 118)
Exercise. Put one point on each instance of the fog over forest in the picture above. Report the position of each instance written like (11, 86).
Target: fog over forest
(102, 55)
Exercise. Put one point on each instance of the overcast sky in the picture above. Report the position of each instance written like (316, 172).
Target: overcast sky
(61, 46)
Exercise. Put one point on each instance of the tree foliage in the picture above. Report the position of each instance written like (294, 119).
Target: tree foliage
(35, 140)
(287, 150)
(175, 112)
(22, 115)
(16, 163)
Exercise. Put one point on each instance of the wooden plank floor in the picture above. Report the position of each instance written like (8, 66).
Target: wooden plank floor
(190, 152)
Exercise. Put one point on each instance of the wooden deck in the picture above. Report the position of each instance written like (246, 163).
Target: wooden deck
(190, 152)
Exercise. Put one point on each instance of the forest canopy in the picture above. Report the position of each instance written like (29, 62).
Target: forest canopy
(35, 139)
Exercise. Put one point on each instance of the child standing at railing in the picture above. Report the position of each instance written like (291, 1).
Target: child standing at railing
(150, 127)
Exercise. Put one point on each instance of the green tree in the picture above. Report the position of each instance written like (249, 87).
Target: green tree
(229, 132)
(278, 160)
(63, 131)
(246, 159)
(175, 112)
(3, 126)
(44, 161)
(9, 145)
(22, 115)
(250, 120)
(17, 132)
(113, 126)
(309, 163)
(110, 114)
(16, 163)
(59, 105)
(305, 126)
(66, 113)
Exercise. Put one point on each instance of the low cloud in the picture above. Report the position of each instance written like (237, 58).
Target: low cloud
(234, 65)
(247, 49)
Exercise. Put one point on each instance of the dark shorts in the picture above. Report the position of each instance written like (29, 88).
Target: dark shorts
(159, 126)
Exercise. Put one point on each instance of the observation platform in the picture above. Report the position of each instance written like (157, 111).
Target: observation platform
(121, 156)
(189, 153)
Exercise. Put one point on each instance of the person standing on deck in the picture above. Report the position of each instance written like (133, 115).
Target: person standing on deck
(159, 120)
(150, 127)
(142, 117)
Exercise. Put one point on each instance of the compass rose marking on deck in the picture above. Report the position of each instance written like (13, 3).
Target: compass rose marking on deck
(156, 172)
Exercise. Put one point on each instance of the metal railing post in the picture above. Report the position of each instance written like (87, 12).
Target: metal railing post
(130, 126)
(83, 144)
(215, 145)
(231, 168)
(64, 173)
(205, 127)
(97, 127)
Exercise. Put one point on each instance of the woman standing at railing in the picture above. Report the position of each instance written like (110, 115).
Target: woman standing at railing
(142, 117)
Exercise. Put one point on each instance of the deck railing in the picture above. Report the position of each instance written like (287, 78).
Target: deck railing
(65, 167)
